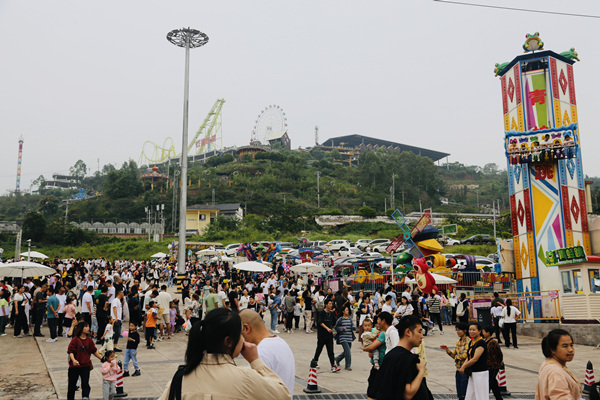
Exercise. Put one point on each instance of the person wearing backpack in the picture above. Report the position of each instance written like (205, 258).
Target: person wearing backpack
(462, 309)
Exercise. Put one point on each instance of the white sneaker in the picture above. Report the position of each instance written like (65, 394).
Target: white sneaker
(276, 331)
(4, 334)
(51, 340)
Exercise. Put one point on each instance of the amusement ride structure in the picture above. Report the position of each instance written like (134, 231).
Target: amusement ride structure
(208, 138)
(271, 122)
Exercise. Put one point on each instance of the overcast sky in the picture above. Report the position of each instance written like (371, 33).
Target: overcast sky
(95, 80)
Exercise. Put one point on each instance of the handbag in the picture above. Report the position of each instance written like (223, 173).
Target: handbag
(85, 350)
(501, 322)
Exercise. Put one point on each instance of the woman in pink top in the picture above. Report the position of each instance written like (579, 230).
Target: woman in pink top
(69, 315)
(555, 381)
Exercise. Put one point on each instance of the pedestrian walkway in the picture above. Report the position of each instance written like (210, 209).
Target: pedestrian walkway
(158, 366)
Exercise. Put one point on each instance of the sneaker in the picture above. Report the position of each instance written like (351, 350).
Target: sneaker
(334, 368)
(276, 331)
(117, 350)
(137, 373)
(348, 369)
(150, 347)
(159, 339)
(4, 334)
(20, 336)
(442, 332)
(125, 373)
(28, 334)
(40, 335)
(51, 340)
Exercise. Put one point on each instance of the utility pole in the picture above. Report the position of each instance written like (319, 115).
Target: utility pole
(318, 190)
(393, 197)
(494, 211)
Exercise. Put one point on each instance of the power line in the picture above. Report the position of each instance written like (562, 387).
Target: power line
(518, 9)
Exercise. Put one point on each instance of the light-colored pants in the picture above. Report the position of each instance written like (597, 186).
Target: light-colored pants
(308, 320)
(109, 389)
(479, 386)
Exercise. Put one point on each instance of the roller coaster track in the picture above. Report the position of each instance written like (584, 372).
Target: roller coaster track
(206, 139)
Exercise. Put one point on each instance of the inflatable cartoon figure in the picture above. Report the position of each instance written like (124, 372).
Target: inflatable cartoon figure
(425, 280)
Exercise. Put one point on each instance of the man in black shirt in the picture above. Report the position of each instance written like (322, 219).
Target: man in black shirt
(401, 374)
(102, 311)
(325, 322)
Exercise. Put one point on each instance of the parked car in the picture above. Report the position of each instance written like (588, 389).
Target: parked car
(481, 261)
(371, 254)
(338, 244)
(479, 239)
(351, 252)
(448, 241)
(318, 245)
(362, 243)
(231, 249)
(379, 245)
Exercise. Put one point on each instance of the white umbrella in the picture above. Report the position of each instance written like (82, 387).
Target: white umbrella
(253, 266)
(222, 258)
(439, 279)
(207, 252)
(307, 268)
(159, 255)
(34, 254)
(22, 269)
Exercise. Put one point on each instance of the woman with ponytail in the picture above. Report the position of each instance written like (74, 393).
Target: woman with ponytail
(510, 314)
(555, 381)
(210, 368)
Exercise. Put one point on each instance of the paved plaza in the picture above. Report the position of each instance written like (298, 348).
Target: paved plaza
(25, 362)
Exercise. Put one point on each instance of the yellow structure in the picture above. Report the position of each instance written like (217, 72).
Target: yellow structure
(199, 216)
(199, 220)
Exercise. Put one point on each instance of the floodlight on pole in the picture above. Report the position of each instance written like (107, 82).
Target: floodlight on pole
(189, 39)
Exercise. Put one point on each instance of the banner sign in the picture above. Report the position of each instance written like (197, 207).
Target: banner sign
(422, 223)
(568, 255)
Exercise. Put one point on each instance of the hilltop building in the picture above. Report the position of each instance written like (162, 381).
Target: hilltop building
(199, 216)
(350, 146)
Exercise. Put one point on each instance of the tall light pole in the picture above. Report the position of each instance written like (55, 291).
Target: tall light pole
(189, 39)
(318, 190)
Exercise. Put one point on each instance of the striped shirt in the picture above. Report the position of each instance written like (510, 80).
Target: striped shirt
(344, 335)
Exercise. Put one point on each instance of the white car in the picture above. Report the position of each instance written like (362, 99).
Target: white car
(338, 244)
(231, 249)
(363, 243)
(379, 245)
(372, 254)
(351, 252)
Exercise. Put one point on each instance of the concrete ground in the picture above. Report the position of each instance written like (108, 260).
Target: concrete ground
(22, 363)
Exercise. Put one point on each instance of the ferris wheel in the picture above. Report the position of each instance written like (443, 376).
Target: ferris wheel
(272, 119)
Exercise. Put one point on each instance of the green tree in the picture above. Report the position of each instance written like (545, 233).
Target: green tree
(78, 171)
(34, 226)
(41, 183)
(125, 182)
(367, 212)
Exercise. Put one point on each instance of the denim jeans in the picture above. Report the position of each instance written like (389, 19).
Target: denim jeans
(274, 319)
(130, 354)
(461, 385)
(345, 355)
(446, 315)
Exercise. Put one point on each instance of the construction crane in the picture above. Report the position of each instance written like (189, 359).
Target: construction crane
(208, 137)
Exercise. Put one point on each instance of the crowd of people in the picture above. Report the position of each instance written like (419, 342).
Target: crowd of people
(228, 313)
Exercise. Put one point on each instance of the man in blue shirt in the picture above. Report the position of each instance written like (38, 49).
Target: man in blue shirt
(273, 308)
(52, 313)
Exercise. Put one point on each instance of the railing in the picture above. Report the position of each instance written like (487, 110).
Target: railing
(535, 306)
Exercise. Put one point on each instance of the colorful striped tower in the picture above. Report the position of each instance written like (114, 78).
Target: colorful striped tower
(545, 175)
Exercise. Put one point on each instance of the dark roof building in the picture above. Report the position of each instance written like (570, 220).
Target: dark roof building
(225, 209)
(365, 142)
